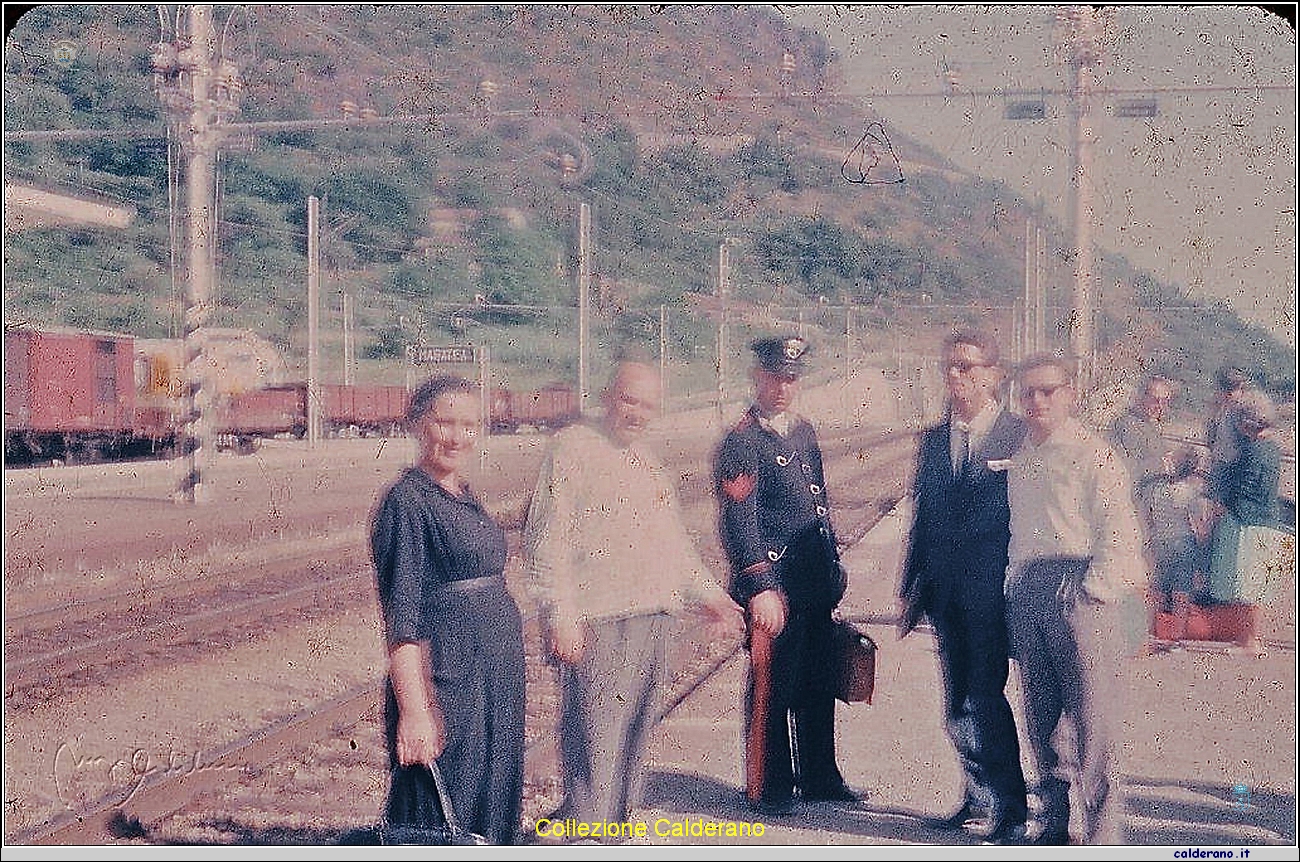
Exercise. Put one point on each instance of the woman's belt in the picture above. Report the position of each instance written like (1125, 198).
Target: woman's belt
(474, 585)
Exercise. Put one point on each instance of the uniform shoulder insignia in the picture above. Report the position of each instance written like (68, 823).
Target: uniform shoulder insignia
(740, 487)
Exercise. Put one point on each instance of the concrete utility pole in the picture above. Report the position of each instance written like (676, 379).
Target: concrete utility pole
(196, 97)
(313, 321)
(1084, 26)
(724, 288)
(584, 289)
(349, 352)
(663, 358)
(1031, 318)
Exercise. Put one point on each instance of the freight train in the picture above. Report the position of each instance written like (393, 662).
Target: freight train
(80, 396)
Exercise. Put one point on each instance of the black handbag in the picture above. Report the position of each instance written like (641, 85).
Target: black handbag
(449, 833)
(809, 568)
(855, 661)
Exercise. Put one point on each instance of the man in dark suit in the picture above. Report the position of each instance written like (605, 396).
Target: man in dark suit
(954, 572)
(775, 526)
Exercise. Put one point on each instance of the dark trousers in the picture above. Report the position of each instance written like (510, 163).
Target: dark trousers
(803, 699)
(972, 639)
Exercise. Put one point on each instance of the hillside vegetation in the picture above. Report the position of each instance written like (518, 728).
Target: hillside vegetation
(459, 226)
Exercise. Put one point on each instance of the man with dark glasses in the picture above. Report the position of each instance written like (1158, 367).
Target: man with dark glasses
(953, 575)
(1075, 554)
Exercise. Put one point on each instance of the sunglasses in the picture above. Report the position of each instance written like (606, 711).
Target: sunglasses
(1028, 392)
(962, 367)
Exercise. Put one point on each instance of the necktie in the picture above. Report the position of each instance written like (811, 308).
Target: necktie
(963, 451)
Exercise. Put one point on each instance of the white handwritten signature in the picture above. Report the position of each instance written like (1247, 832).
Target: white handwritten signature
(83, 780)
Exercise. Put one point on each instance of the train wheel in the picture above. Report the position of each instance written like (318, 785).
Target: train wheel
(76, 451)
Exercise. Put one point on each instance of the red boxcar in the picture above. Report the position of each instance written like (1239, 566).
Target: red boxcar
(552, 406)
(70, 395)
(363, 409)
(245, 417)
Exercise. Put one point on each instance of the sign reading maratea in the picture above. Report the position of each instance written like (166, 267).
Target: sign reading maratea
(424, 355)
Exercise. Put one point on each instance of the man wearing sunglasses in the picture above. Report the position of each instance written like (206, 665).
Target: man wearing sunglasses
(953, 575)
(1075, 553)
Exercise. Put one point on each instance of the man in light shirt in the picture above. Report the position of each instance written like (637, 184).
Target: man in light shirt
(610, 558)
(1075, 553)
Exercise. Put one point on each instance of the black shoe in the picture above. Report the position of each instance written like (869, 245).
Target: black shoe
(841, 793)
(963, 818)
(783, 807)
(1051, 838)
(1007, 833)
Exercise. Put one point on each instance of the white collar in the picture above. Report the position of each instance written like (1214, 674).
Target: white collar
(779, 424)
(983, 421)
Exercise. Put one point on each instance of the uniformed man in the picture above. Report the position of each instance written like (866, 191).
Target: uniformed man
(774, 522)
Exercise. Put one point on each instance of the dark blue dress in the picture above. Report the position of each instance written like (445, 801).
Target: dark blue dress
(439, 562)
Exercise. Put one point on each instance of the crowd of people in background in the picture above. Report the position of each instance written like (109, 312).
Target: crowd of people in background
(1197, 504)
(1032, 538)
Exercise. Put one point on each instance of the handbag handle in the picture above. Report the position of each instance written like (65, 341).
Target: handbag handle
(444, 800)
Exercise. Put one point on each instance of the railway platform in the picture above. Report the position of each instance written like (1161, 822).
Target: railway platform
(1209, 759)
(1209, 753)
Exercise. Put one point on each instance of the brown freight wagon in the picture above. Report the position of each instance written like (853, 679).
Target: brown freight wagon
(70, 395)
(544, 409)
(363, 410)
(244, 418)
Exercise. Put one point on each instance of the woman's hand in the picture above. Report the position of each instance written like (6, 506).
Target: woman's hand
(421, 736)
(568, 641)
(421, 731)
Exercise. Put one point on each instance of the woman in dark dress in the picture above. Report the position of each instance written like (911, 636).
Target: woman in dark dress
(1246, 491)
(456, 658)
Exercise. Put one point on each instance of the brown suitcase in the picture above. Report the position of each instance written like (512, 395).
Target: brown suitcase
(1218, 623)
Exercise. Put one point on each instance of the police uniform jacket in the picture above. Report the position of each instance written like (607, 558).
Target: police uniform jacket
(773, 508)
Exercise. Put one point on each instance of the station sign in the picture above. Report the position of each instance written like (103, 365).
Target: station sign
(425, 355)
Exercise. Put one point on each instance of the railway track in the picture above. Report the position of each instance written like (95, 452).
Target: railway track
(129, 629)
(869, 471)
(129, 626)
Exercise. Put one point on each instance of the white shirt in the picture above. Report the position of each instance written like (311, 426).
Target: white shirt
(1070, 496)
(977, 429)
(605, 537)
(780, 423)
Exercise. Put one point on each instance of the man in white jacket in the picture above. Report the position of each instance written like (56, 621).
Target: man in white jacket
(610, 560)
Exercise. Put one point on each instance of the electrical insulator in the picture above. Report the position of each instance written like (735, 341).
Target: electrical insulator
(163, 58)
(787, 63)
(368, 113)
(348, 107)
(187, 60)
